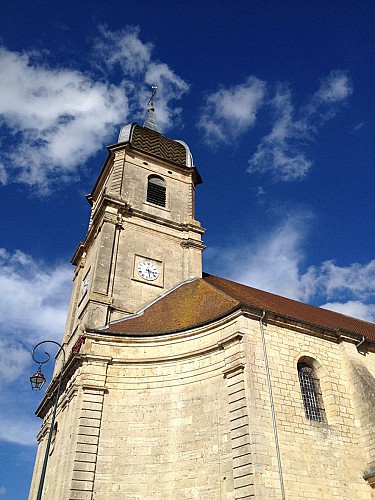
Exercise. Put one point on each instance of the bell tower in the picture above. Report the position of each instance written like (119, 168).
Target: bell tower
(142, 238)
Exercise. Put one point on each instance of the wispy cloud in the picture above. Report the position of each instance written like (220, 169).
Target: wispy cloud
(54, 119)
(353, 308)
(276, 263)
(230, 112)
(16, 426)
(282, 152)
(272, 262)
(43, 292)
(336, 282)
(123, 49)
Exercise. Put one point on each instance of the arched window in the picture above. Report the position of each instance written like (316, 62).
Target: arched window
(156, 190)
(311, 393)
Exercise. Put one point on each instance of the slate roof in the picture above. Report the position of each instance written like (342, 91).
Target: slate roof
(207, 299)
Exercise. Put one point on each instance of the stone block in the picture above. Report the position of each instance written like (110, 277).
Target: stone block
(87, 448)
(82, 485)
(83, 475)
(84, 466)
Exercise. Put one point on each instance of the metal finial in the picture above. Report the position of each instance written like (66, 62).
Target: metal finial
(150, 103)
(150, 121)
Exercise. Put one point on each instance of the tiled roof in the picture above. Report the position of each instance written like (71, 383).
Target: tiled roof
(291, 308)
(190, 304)
(154, 143)
(204, 300)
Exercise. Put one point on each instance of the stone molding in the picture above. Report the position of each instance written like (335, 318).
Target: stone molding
(369, 474)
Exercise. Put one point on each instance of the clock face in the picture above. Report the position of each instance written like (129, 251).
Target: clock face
(147, 270)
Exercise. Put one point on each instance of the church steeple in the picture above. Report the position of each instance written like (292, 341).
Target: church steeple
(142, 219)
(150, 121)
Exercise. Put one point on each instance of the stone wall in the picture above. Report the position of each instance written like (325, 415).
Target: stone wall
(188, 416)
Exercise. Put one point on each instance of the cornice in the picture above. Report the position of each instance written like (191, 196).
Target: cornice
(336, 335)
(187, 227)
(100, 215)
(190, 243)
(205, 350)
(73, 362)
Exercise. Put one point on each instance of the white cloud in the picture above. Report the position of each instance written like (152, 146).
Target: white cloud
(334, 281)
(353, 308)
(334, 88)
(275, 263)
(124, 49)
(230, 112)
(54, 119)
(33, 308)
(2, 490)
(282, 152)
(18, 428)
(3, 174)
(58, 118)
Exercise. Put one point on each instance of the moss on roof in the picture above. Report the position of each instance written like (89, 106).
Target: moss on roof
(209, 298)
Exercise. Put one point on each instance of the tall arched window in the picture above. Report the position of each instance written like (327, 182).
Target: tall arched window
(311, 393)
(156, 190)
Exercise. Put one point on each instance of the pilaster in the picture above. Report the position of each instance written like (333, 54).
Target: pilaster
(88, 433)
(243, 471)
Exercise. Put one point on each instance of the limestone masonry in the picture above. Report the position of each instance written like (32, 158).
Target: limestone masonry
(179, 385)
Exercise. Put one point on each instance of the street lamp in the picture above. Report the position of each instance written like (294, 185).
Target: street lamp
(37, 382)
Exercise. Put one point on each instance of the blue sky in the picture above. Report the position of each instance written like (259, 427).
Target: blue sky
(276, 101)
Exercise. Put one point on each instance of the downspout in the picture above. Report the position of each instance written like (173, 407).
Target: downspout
(363, 340)
(272, 408)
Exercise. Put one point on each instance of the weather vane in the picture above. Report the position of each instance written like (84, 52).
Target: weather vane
(150, 103)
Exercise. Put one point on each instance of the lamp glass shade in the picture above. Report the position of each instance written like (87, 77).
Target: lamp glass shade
(37, 380)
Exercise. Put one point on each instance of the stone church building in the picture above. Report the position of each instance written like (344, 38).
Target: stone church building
(181, 385)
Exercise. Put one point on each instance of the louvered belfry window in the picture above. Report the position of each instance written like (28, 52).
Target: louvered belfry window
(156, 190)
(311, 393)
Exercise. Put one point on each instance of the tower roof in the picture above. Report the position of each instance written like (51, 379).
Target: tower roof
(149, 139)
(154, 143)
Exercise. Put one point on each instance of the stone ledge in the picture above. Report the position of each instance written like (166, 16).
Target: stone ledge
(369, 474)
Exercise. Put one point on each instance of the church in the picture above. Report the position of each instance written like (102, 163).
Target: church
(181, 385)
